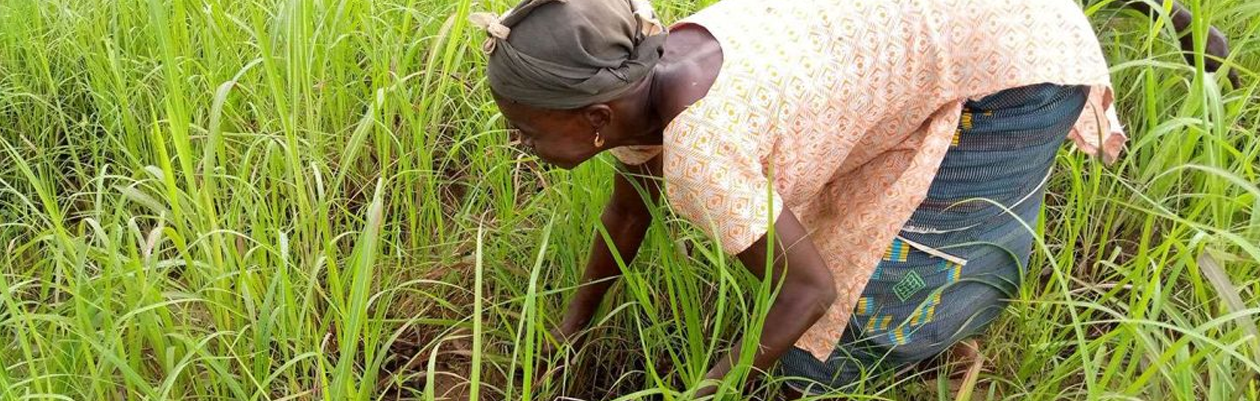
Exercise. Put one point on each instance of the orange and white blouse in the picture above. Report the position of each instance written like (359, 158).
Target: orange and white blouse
(842, 110)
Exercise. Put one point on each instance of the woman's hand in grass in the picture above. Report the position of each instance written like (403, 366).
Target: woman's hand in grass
(808, 290)
(626, 219)
(571, 336)
(1216, 49)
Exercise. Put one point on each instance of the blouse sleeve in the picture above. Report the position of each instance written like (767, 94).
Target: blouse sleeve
(1098, 131)
(635, 155)
(715, 179)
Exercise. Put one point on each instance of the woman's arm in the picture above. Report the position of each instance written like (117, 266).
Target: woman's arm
(626, 217)
(1217, 46)
(808, 290)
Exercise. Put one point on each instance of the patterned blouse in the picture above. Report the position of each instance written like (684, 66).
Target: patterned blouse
(842, 110)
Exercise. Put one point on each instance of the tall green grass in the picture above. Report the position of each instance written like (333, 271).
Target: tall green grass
(284, 199)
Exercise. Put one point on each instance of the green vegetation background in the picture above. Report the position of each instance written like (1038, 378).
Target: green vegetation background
(286, 199)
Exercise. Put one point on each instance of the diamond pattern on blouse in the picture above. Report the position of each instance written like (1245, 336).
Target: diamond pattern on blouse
(841, 111)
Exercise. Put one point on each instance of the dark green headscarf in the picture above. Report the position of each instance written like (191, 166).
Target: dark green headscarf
(565, 54)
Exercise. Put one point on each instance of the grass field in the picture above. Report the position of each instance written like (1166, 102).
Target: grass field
(275, 199)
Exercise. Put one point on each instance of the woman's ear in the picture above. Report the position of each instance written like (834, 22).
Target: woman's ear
(598, 115)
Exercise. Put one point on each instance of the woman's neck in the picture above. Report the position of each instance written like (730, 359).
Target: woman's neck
(688, 69)
(642, 124)
(683, 76)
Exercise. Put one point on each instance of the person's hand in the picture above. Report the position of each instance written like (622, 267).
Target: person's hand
(551, 363)
(564, 335)
(1217, 49)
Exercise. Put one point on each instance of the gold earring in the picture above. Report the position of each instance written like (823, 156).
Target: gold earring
(599, 142)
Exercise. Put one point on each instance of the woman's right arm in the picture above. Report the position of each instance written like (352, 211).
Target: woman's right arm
(626, 217)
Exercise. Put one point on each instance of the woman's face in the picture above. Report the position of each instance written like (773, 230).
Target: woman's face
(564, 138)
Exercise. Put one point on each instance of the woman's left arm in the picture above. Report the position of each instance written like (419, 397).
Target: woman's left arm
(808, 290)
(1216, 48)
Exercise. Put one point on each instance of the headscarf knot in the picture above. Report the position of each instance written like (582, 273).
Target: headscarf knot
(493, 25)
(648, 24)
(498, 26)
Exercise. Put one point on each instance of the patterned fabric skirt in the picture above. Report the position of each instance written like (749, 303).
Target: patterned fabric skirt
(963, 254)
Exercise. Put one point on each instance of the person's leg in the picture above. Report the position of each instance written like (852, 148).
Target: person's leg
(787, 393)
(1006, 145)
(967, 257)
(959, 364)
(868, 347)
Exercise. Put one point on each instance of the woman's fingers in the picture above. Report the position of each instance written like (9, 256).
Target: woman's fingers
(560, 338)
(1218, 48)
(1216, 51)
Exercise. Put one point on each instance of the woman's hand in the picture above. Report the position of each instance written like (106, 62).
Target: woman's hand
(1217, 48)
(808, 291)
(626, 217)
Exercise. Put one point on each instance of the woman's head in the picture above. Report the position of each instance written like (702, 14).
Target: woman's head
(564, 138)
(559, 68)
(568, 137)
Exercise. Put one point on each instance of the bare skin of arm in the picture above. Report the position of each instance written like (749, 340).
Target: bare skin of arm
(1217, 47)
(806, 294)
(626, 217)
(808, 291)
